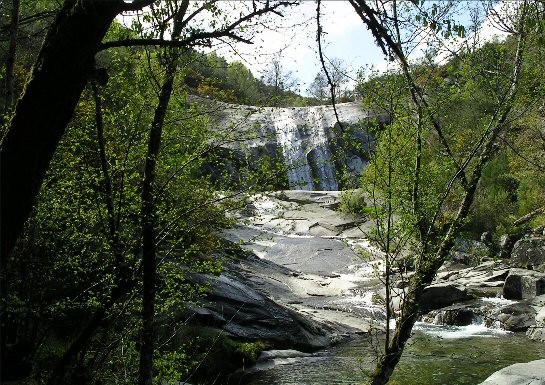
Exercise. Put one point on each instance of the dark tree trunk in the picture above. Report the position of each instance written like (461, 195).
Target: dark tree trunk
(429, 263)
(148, 232)
(43, 112)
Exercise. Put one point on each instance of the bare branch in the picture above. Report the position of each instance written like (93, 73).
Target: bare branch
(201, 38)
(320, 52)
(532, 214)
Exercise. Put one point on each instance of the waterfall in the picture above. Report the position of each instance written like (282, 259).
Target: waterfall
(302, 134)
(289, 134)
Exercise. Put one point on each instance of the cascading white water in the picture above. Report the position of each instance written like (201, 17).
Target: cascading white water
(320, 122)
(302, 133)
(288, 133)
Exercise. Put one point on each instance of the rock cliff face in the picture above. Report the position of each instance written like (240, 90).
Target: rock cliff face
(314, 148)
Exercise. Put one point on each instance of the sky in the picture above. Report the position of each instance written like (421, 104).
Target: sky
(345, 37)
(292, 39)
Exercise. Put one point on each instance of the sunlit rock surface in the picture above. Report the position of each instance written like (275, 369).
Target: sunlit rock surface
(310, 140)
(530, 373)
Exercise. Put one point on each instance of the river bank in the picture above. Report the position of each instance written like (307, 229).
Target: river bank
(302, 284)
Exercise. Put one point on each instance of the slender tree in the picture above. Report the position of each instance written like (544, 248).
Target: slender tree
(436, 238)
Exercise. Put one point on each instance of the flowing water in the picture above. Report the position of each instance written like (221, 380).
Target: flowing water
(435, 355)
(302, 134)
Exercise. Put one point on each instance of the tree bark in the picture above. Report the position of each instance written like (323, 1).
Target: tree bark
(42, 114)
(532, 214)
(149, 252)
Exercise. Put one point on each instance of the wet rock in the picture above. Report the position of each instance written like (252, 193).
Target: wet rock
(469, 252)
(304, 197)
(538, 230)
(243, 312)
(485, 280)
(313, 255)
(287, 353)
(339, 223)
(455, 315)
(271, 358)
(506, 243)
(461, 258)
(537, 331)
(529, 252)
(486, 238)
(320, 231)
(523, 284)
(517, 317)
(441, 295)
(530, 373)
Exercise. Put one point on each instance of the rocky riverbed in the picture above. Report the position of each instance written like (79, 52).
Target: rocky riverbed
(301, 282)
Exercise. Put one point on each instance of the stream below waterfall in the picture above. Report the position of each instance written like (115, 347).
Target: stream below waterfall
(435, 355)
(305, 255)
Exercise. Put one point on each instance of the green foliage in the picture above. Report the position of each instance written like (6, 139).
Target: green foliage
(220, 355)
(211, 76)
(512, 184)
(353, 202)
(68, 262)
(496, 199)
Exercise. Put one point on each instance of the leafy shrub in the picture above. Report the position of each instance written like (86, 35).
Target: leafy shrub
(353, 202)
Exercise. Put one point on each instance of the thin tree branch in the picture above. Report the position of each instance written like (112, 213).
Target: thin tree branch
(332, 85)
(532, 214)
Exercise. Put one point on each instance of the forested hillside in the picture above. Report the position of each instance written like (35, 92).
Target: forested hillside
(117, 182)
(512, 184)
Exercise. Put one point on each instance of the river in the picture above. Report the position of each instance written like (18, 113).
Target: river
(435, 355)
(323, 278)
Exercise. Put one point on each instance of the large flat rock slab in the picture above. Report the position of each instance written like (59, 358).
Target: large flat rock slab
(243, 312)
(305, 254)
(315, 255)
(530, 373)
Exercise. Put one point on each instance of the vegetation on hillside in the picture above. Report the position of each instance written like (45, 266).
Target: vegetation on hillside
(451, 160)
(107, 209)
(97, 283)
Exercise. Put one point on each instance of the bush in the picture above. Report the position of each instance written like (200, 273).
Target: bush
(353, 202)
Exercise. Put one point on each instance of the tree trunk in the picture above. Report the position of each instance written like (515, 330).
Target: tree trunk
(149, 263)
(43, 112)
(427, 268)
(532, 214)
